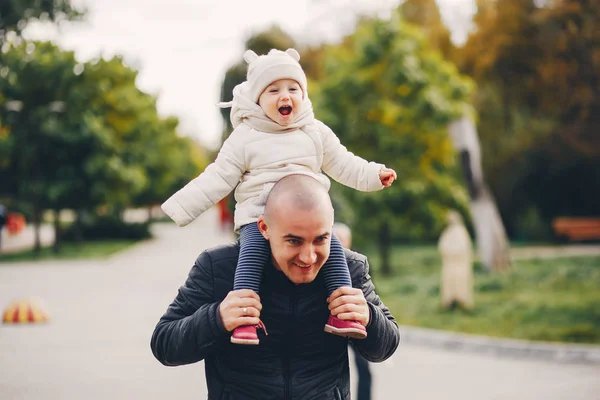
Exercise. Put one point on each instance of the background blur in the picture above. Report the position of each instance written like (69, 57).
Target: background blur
(107, 107)
(123, 78)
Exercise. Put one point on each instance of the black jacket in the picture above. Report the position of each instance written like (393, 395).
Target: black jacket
(296, 361)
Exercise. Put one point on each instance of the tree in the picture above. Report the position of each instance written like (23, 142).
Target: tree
(536, 67)
(15, 15)
(84, 136)
(36, 90)
(389, 98)
(141, 159)
(170, 162)
(426, 15)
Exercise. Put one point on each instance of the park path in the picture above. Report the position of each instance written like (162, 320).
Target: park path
(103, 313)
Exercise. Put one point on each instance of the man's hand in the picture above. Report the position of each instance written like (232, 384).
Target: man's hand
(240, 307)
(349, 304)
(387, 176)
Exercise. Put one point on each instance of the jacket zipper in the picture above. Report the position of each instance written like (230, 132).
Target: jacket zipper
(287, 381)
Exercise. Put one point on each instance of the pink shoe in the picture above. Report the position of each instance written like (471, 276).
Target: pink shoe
(246, 334)
(351, 329)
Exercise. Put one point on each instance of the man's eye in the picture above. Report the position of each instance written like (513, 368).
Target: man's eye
(321, 240)
(293, 241)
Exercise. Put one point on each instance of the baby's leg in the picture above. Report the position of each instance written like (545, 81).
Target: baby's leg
(335, 270)
(254, 254)
(336, 275)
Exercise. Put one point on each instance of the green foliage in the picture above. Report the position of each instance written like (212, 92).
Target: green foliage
(104, 146)
(426, 15)
(543, 299)
(389, 98)
(35, 143)
(16, 14)
(107, 227)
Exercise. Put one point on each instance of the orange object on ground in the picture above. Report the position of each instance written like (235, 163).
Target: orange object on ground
(577, 228)
(15, 223)
(25, 312)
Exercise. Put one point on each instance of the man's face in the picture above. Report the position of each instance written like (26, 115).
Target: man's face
(300, 241)
(282, 101)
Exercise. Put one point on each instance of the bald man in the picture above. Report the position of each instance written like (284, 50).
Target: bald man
(296, 359)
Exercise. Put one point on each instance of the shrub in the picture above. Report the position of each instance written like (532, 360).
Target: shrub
(108, 227)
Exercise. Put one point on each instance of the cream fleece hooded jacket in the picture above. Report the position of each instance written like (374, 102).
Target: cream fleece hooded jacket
(258, 153)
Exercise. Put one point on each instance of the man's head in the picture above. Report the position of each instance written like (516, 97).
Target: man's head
(297, 223)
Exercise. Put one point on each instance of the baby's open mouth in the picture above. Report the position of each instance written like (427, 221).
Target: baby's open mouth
(285, 110)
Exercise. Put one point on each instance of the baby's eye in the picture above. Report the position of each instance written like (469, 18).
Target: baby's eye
(273, 91)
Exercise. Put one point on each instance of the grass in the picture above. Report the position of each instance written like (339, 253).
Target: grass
(543, 299)
(71, 251)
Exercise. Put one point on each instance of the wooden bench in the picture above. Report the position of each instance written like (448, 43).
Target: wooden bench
(577, 228)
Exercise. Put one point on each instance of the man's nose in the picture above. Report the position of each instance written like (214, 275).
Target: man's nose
(308, 255)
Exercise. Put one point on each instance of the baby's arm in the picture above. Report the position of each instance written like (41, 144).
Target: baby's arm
(349, 169)
(217, 180)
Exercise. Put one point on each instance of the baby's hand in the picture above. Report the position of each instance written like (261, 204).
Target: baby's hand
(387, 176)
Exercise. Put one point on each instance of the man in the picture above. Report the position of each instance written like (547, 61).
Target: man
(344, 234)
(297, 359)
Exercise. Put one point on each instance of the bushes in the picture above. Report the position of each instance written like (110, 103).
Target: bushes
(107, 227)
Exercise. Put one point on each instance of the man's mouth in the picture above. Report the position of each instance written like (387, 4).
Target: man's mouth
(302, 266)
(285, 110)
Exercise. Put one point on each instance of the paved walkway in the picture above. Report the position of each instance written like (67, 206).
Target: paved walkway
(25, 239)
(103, 313)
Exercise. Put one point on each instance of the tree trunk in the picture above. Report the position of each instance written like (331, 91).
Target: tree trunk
(385, 241)
(37, 220)
(78, 228)
(492, 243)
(506, 105)
(57, 232)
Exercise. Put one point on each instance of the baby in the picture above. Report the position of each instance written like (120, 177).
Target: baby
(275, 134)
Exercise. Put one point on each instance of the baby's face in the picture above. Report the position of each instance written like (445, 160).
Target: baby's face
(282, 101)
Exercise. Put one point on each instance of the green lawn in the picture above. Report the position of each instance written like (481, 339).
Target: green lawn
(70, 251)
(552, 299)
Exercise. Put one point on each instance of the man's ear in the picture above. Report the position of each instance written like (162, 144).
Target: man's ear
(263, 227)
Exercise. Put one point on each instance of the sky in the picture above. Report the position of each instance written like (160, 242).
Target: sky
(182, 48)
